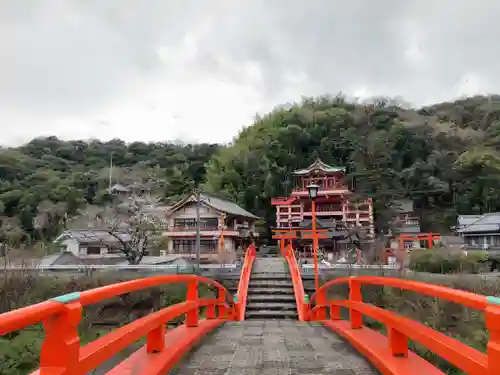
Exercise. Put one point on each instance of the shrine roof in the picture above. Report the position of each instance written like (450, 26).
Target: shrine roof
(319, 165)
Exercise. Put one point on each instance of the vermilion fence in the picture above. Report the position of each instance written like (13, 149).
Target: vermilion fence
(390, 353)
(246, 271)
(61, 352)
(298, 287)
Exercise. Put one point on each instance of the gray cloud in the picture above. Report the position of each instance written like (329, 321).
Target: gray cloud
(75, 61)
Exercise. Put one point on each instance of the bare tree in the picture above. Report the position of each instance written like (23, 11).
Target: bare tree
(132, 227)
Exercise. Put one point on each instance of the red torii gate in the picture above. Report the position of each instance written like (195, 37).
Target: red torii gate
(429, 237)
(314, 234)
(400, 252)
(282, 235)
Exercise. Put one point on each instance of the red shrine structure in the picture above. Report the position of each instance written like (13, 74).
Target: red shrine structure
(336, 210)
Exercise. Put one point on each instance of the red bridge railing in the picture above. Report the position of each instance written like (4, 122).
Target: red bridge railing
(246, 271)
(298, 287)
(390, 353)
(61, 353)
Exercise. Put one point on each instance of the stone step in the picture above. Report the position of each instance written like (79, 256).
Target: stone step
(271, 298)
(271, 306)
(271, 283)
(269, 276)
(271, 314)
(270, 290)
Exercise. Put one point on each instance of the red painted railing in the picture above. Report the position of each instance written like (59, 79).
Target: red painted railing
(61, 353)
(298, 287)
(390, 354)
(246, 271)
(282, 200)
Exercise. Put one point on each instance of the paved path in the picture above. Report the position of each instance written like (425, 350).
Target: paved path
(269, 265)
(274, 347)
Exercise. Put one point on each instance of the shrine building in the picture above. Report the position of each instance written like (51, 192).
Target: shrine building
(336, 209)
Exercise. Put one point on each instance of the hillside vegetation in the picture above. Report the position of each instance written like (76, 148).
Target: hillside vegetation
(444, 157)
(47, 179)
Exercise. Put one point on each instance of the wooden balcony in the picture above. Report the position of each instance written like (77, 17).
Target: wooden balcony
(177, 231)
(321, 192)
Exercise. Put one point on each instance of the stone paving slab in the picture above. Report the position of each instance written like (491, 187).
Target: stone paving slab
(269, 265)
(274, 347)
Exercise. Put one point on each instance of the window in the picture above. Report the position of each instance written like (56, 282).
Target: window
(189, 245)
(211, 223)
(93, 250)
(185, 223)
(205, 223)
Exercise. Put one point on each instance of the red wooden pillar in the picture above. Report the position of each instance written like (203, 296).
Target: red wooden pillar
(492, 315)
(192, 295)
(315, 246)
(355, 316)
(61, 347)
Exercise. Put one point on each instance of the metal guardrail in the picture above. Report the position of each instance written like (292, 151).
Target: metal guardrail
(307, 268)
(353, 266)
(126, 267)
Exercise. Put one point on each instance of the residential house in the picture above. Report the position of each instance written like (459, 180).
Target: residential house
(125, 191)
(217, 216)
(91, 243)
(480, 231)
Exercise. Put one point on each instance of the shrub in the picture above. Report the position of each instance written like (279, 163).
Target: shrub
(464, 324)
(20, 351)
(444, 261)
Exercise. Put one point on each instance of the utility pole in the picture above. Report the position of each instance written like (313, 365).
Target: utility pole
(110, 170)
(197, 194)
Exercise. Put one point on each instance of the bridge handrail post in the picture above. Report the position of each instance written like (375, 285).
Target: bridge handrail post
(192, 295)
(155, 341)
(210, 312)
(306, 307)
(398, 342)
(492, 314)
(355, 316)
(321, 300)
(334, 312)
(61, 347)
(222, 307)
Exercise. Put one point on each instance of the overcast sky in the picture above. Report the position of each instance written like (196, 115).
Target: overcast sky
(199, 70)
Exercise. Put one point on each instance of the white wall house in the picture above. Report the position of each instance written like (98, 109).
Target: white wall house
(89, 242)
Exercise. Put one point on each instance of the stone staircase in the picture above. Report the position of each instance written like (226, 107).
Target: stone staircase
(269, 251)
(270, 291)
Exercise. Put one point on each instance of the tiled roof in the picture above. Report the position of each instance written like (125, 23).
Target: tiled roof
(92, 236)
(319, 164)
(225, 205)
(119, 187)
(402, 205)
(217, 203)
(478, 223)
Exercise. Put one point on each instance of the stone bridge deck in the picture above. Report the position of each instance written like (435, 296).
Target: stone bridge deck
(275, 347)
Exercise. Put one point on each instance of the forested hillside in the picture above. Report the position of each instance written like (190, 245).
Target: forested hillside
(445, 157)
(47, 178)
